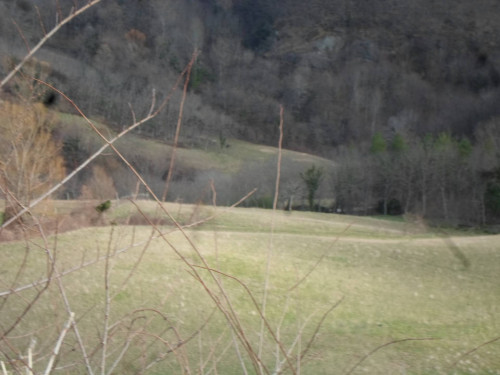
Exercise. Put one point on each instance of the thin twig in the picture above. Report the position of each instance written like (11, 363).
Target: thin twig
(317, 263)
(22, 36)
(62, 290)
(134, 119)
(135, 266)
(53, 268)
(40, 19)
(107, 304)
(469, 352)
(29, 368)
(263, 318)
(228, 313)
(318, 326)
(296, 342)
(238, 354)
(383, 346)
(39, 293)
(278, 329)
(153, 103)
(45, 38)
(278, 167)
(122, 250)
(177, 130)
(70, 321)
(307, 274)
(59, 11)
(172, 349)
(98, 152)
(216, 360)
(22, 266)
(271, 237)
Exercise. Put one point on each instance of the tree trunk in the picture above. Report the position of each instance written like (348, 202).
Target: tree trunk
(311, 201)
(445, 204)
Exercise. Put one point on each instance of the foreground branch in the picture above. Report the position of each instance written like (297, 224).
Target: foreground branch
(74, 13)
(383, 346)
(48, 370)
(473, 350)
(109, 143)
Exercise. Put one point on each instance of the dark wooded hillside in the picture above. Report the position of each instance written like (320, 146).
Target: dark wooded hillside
(343, 69)
(350, 74)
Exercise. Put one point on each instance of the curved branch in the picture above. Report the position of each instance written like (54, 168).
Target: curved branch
(473, 350)
(383, 346)
(46, 37)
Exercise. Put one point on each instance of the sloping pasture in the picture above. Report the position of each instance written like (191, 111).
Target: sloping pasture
(408, 300)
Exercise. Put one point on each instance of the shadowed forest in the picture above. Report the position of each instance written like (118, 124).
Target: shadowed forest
(402, 97)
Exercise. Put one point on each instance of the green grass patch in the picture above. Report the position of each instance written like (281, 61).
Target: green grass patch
(397, 283)
(395, 218)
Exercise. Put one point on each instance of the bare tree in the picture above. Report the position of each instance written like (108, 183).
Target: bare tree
(30, 159)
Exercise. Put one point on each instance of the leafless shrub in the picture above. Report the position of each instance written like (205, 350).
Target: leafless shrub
(101, 186)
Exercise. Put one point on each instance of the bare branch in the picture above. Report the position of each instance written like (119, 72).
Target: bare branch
(178, 128)
(41, 21)
(307, 273)
(107, 304)
(45, 38)
(97, 153)
(133, 113)
(271, 238)
(262, 316)
(469, 352)
(383, 346)
(278, 166)
(59, 15)
(120, 251)
(153, 103)
(317, 263)
(180, 342)
(48, 370)
(228, 312)
(318, 326)
(22, 37)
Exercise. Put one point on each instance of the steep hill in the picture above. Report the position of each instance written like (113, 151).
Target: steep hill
(236, 167)
(402, 95)
(343, 69)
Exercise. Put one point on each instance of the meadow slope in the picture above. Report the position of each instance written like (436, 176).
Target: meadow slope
(395, 280)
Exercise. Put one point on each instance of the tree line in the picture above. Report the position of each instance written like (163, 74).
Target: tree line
(442, 178)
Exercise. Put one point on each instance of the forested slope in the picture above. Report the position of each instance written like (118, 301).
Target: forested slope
(343, 69)
(424, 76)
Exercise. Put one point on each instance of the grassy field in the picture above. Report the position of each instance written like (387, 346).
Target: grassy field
(202, 157)
(395, 280)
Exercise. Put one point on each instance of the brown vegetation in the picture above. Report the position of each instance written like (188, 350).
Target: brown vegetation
(30, 160)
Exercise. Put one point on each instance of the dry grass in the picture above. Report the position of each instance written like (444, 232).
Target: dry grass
(395, 287)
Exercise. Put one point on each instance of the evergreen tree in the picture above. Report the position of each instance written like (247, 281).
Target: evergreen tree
(312, 178)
